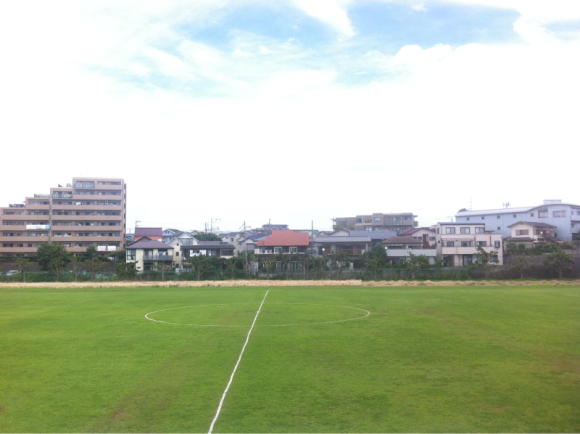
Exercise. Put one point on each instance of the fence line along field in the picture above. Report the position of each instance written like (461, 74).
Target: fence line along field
(455, 358)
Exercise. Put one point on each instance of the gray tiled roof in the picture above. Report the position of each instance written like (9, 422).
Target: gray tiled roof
(402, 240)
(535, 224)
(330, 240)
(149, 244)
(374, 235)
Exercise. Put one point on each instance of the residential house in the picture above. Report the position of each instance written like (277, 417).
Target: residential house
(146, 253)
(564, 216)
(283, 241)
(457, 242)
(207, 248)
(426, 235)
(401, 247)
(324, 245)
(151, 233)
(530, 233)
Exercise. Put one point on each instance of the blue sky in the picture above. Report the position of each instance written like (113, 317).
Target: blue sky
(305, 109)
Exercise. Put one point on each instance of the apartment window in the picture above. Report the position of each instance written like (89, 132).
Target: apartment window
(482, 243)
(293, 249)
(377, 219)
(78, 245)
(450, 244)
(522, 232)
(467, 259)
(483, 217)
(32, 245)
(437, 231)
(467, 218)
(498, 228)
(33, 202)
(575, 225)
(498, 217)
(515, 216)
(464, 230)
(131, 254)
(543, 213)
(559, 214)
(497, 244)
(449, 230)
(531, 214)
(466, 244)
(85, 184)
(277, 250)
(19, 245)
(480, 230)
(7, 245)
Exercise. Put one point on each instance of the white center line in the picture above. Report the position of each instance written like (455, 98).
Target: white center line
(236, 367)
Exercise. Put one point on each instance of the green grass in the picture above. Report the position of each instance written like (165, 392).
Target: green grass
(427, 359)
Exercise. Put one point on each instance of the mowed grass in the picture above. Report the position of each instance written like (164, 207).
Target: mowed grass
(427, 359)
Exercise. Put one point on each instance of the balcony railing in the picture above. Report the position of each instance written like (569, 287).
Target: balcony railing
(158, 258)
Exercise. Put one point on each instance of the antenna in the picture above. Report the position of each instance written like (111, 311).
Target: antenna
(506, 204)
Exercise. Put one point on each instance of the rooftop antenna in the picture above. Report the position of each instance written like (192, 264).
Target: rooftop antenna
(470, 204)
(506, 204)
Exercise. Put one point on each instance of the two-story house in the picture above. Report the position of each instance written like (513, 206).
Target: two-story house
(283, 241)
(530, 233)
(457, 242)
(147, 253)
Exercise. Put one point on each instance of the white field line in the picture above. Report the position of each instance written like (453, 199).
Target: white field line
(236, 367)
(263, 325)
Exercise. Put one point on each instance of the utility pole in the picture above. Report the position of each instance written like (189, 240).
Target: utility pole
(211, 223)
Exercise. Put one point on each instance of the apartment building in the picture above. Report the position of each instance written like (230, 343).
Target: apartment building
(87, 212)
(395, 222)
(564, 216)
(457, 243)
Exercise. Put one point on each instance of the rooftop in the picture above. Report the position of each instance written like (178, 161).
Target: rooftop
(285, 238)
(402, 240)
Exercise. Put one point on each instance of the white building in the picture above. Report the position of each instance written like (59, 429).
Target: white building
(457, 243)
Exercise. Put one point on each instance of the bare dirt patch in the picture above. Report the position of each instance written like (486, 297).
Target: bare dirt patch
(274, 283)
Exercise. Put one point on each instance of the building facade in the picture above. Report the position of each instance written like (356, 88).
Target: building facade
(564, 216)
(457, 243)
(394, 222)
(87, 212)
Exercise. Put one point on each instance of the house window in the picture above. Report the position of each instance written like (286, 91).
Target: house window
(438, 231)
(293, 249)
(498, 228)
(464, 230)
(466, 244)
(482, 243)
(543, 213)
(431, 238)
(449, 230)
(559, 214)
(278, 265)
(450, 244)
(480, 230)
(497, 244)
(377, 219)
(131, 254)
(277, 250)
(522, 232)
(467, 259)
(483, 217)
(498, 217)
(515, 215)
(532, 214)
(467, 218)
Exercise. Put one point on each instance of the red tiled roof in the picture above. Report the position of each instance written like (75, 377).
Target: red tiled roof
(411, 231)
(285, 238)
(149, 232)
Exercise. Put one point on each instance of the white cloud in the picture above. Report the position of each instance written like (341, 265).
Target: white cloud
(330, 12)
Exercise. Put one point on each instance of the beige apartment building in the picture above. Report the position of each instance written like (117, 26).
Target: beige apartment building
(88, 212)
(395, 222)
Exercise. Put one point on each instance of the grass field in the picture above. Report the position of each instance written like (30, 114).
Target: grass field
(426, 359)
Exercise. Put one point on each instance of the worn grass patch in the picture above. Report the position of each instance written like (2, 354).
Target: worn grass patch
(427, 359)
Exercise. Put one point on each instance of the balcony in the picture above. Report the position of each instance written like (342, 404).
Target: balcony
(158, 258)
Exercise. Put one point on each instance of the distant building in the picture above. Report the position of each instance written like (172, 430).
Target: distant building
(564, 216)
(146, 253)
(283, 241)
(394, 222)
(457, 243)
(88, 212)
(530, 233)
(401, 247)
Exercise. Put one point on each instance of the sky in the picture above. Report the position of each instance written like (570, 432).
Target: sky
(292, 111)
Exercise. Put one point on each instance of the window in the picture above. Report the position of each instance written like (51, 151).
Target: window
(437, 231)
(467, 259)
(377, 219)
(543, 213)
(277, 250)
(464, 230)
(449, 230)
(559, 214)
(522, 232)
(480, 230)
(515, 216)
(532, 214)
(466, 244)
(497, 244)
(498, 217)
(85, 184)
(131, 254)
(482, 243)
(450, 244)
(483, 217)
(431, 238)
(32, 245)
(467, 218)
(498, 228)
(293, 249)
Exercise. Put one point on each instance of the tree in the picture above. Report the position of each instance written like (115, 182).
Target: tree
(375, 258)
(208, 236)
(91, 253)
(76, 267)
(163, 267)
(523, 262)
(339, 262)
(93, 266)
(127, 270)
(416, 263)
(268, 264)
(559, 261)
(119, 255)
(463, 210)
(485, 260)
(49, 253)
(200, 264)
(284, 259)
(23, 265)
